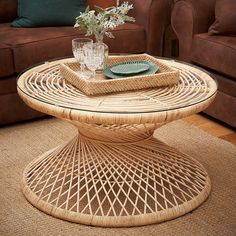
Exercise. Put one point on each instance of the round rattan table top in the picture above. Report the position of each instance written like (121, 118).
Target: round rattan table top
(43, 88)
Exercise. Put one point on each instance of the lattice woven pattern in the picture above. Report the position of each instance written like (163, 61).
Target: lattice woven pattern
(110, 183)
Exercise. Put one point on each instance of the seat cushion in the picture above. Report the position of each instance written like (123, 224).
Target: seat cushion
(215, 52)
(34, 45)
(6, 61)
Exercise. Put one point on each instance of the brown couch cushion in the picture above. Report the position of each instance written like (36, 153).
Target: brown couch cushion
(215, 52)
(8, 10)
(225, 18)
(6, 61)
(34, 45)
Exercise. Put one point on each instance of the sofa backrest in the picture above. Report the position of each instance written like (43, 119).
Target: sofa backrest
(204, 14)
(8, 10)
(101, 3)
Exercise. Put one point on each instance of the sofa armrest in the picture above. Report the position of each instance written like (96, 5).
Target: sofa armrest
(154, 15)
(191, 17)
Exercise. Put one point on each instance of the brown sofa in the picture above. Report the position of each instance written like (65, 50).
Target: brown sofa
(191, 20)
(20, 48)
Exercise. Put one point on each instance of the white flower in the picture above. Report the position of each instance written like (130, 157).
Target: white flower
(76, 25)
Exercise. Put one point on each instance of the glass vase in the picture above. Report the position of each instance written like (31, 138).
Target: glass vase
(99, 40)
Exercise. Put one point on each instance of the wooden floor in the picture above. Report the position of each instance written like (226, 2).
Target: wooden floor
(212, 127)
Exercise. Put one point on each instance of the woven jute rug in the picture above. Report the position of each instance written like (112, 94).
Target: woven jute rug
(20, 144)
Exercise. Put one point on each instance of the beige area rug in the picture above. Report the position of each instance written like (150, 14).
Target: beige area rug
(21, 143)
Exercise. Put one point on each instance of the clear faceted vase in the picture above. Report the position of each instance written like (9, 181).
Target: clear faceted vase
(99, 40)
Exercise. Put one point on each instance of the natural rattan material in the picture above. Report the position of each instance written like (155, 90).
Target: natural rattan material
(43, 88)
(114, 173)
(136, 181)
(100, 85)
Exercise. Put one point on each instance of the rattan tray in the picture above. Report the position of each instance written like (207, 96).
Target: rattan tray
(100, 85)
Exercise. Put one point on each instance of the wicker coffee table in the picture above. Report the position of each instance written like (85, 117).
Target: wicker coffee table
(114, 173)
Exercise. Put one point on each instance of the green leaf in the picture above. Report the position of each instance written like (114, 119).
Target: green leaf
(109, 34)
(87, 9)
(99, 9)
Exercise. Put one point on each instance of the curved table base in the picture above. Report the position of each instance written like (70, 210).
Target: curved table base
(115, 184)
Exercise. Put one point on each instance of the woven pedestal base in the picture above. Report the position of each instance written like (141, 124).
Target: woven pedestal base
(120, 177)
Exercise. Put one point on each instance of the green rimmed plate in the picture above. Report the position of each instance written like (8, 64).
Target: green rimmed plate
(130, 67)
(153, 68)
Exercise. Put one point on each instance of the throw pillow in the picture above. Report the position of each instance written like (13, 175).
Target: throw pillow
(102, 3)
(33, 13)
(225, 18)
